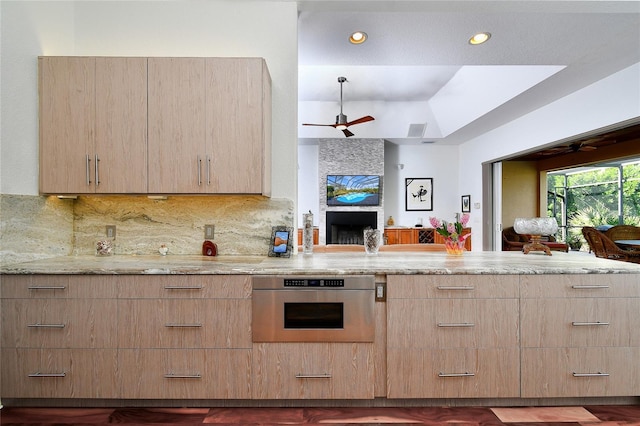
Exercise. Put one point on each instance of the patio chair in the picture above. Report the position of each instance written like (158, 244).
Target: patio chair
(604, 247)
(623, 232)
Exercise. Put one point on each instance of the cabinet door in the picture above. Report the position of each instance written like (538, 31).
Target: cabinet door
(177, 156)
(121, 125)
(235, 125)
(67, 113)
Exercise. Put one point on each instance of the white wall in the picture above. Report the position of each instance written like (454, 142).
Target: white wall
(612, 100)
(149, 28)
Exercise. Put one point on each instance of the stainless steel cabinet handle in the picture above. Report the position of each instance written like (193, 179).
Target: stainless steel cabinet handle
(88, 169)
(47, 287)
(444, 287)
(183, 376)
(178, 325)
(199, 171)
(95, 166)
(45, 325)
(590, 374)
(456, 374)
(183, 287)
(579, 324)
(456, 324)
(47, 375)
(208, 170)
(588, 287)
(313, 376)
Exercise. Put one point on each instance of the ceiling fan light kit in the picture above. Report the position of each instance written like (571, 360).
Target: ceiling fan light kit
(341, 119)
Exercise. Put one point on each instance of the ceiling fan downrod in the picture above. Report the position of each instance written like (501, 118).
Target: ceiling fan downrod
(341, 119)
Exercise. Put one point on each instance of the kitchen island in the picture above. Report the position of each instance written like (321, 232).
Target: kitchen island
(486, 328)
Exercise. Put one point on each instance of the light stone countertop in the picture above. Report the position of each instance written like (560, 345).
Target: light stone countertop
(332, 263)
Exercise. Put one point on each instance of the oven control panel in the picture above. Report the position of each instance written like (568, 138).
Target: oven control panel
(313, 282)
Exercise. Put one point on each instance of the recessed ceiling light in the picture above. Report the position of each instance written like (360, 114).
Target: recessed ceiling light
(358, 37)
(479, 38)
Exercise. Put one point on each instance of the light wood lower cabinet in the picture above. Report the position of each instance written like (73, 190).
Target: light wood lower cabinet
(136, 336)
(580, 335)
(452, 336)
(59, 373)
(313, 371)
(184, 374)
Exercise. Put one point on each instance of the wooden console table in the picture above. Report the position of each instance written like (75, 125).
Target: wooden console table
(393, 235)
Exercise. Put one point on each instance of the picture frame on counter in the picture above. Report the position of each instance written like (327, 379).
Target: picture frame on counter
(281, 241)
(466, 203)
(418, 194)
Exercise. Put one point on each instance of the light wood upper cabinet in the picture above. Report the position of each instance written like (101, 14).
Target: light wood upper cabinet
(177, 125)
(121, 125)
(154, 125)
(209, 125)
(67, 111)
(93, 125)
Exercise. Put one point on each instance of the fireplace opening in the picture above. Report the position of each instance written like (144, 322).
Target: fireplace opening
(348, 227)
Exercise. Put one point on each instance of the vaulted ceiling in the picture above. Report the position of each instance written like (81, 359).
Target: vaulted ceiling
(417, 67)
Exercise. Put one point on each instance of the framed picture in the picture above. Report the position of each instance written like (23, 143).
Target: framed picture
(418, 194)
(466, 203)
(280, 241)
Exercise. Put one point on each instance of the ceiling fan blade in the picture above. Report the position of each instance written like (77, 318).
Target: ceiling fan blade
(360, 120)
(347, 133)
(324, 125)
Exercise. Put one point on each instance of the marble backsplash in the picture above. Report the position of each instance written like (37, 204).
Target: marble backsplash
(33, 227)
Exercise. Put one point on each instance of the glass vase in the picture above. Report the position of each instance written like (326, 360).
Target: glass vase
(454, 247)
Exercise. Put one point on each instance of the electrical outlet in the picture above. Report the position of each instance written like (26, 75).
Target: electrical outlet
(381, 292)
(111, 231)
(208, 232)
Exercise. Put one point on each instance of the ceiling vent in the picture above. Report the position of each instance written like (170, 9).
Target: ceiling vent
(416, 130)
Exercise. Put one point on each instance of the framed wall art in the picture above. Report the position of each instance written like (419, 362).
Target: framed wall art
(418, 194)
(466, 203)
(281, 241)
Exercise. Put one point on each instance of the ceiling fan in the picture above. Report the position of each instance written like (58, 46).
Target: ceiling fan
(574, 147)
(341, 119)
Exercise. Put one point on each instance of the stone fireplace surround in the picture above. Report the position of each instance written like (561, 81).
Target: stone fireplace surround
(349, 157)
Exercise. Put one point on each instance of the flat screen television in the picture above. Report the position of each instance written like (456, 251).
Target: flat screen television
(353, 190)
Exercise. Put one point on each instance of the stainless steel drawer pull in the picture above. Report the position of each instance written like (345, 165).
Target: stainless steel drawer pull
(464, 287)
(590, 374)
(588, 287)
(47, 287)
(179, 325)
(577, 323)
(183, 287)
(183, 376)
(313, 376)
(199, 171)
(456, 324)
(456, 374)
(88, 170)
(47, 375)
(45, 325)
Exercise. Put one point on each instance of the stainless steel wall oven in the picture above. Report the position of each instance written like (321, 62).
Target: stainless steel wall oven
(310, 309)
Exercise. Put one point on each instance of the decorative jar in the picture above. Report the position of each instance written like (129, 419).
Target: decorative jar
(454, 247)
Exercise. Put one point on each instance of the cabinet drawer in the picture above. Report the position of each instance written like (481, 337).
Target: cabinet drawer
(59, 323)
(584, 285)
(184, 374)
(580, 372)
(184, 323)
(565, 322)
(313, 371)
(452, 286)
(58, 287)
(185, 287)
(58, 373)
(447, 323)
(453, 373)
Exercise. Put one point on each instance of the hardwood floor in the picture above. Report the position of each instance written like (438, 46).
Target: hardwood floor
(431, 416)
